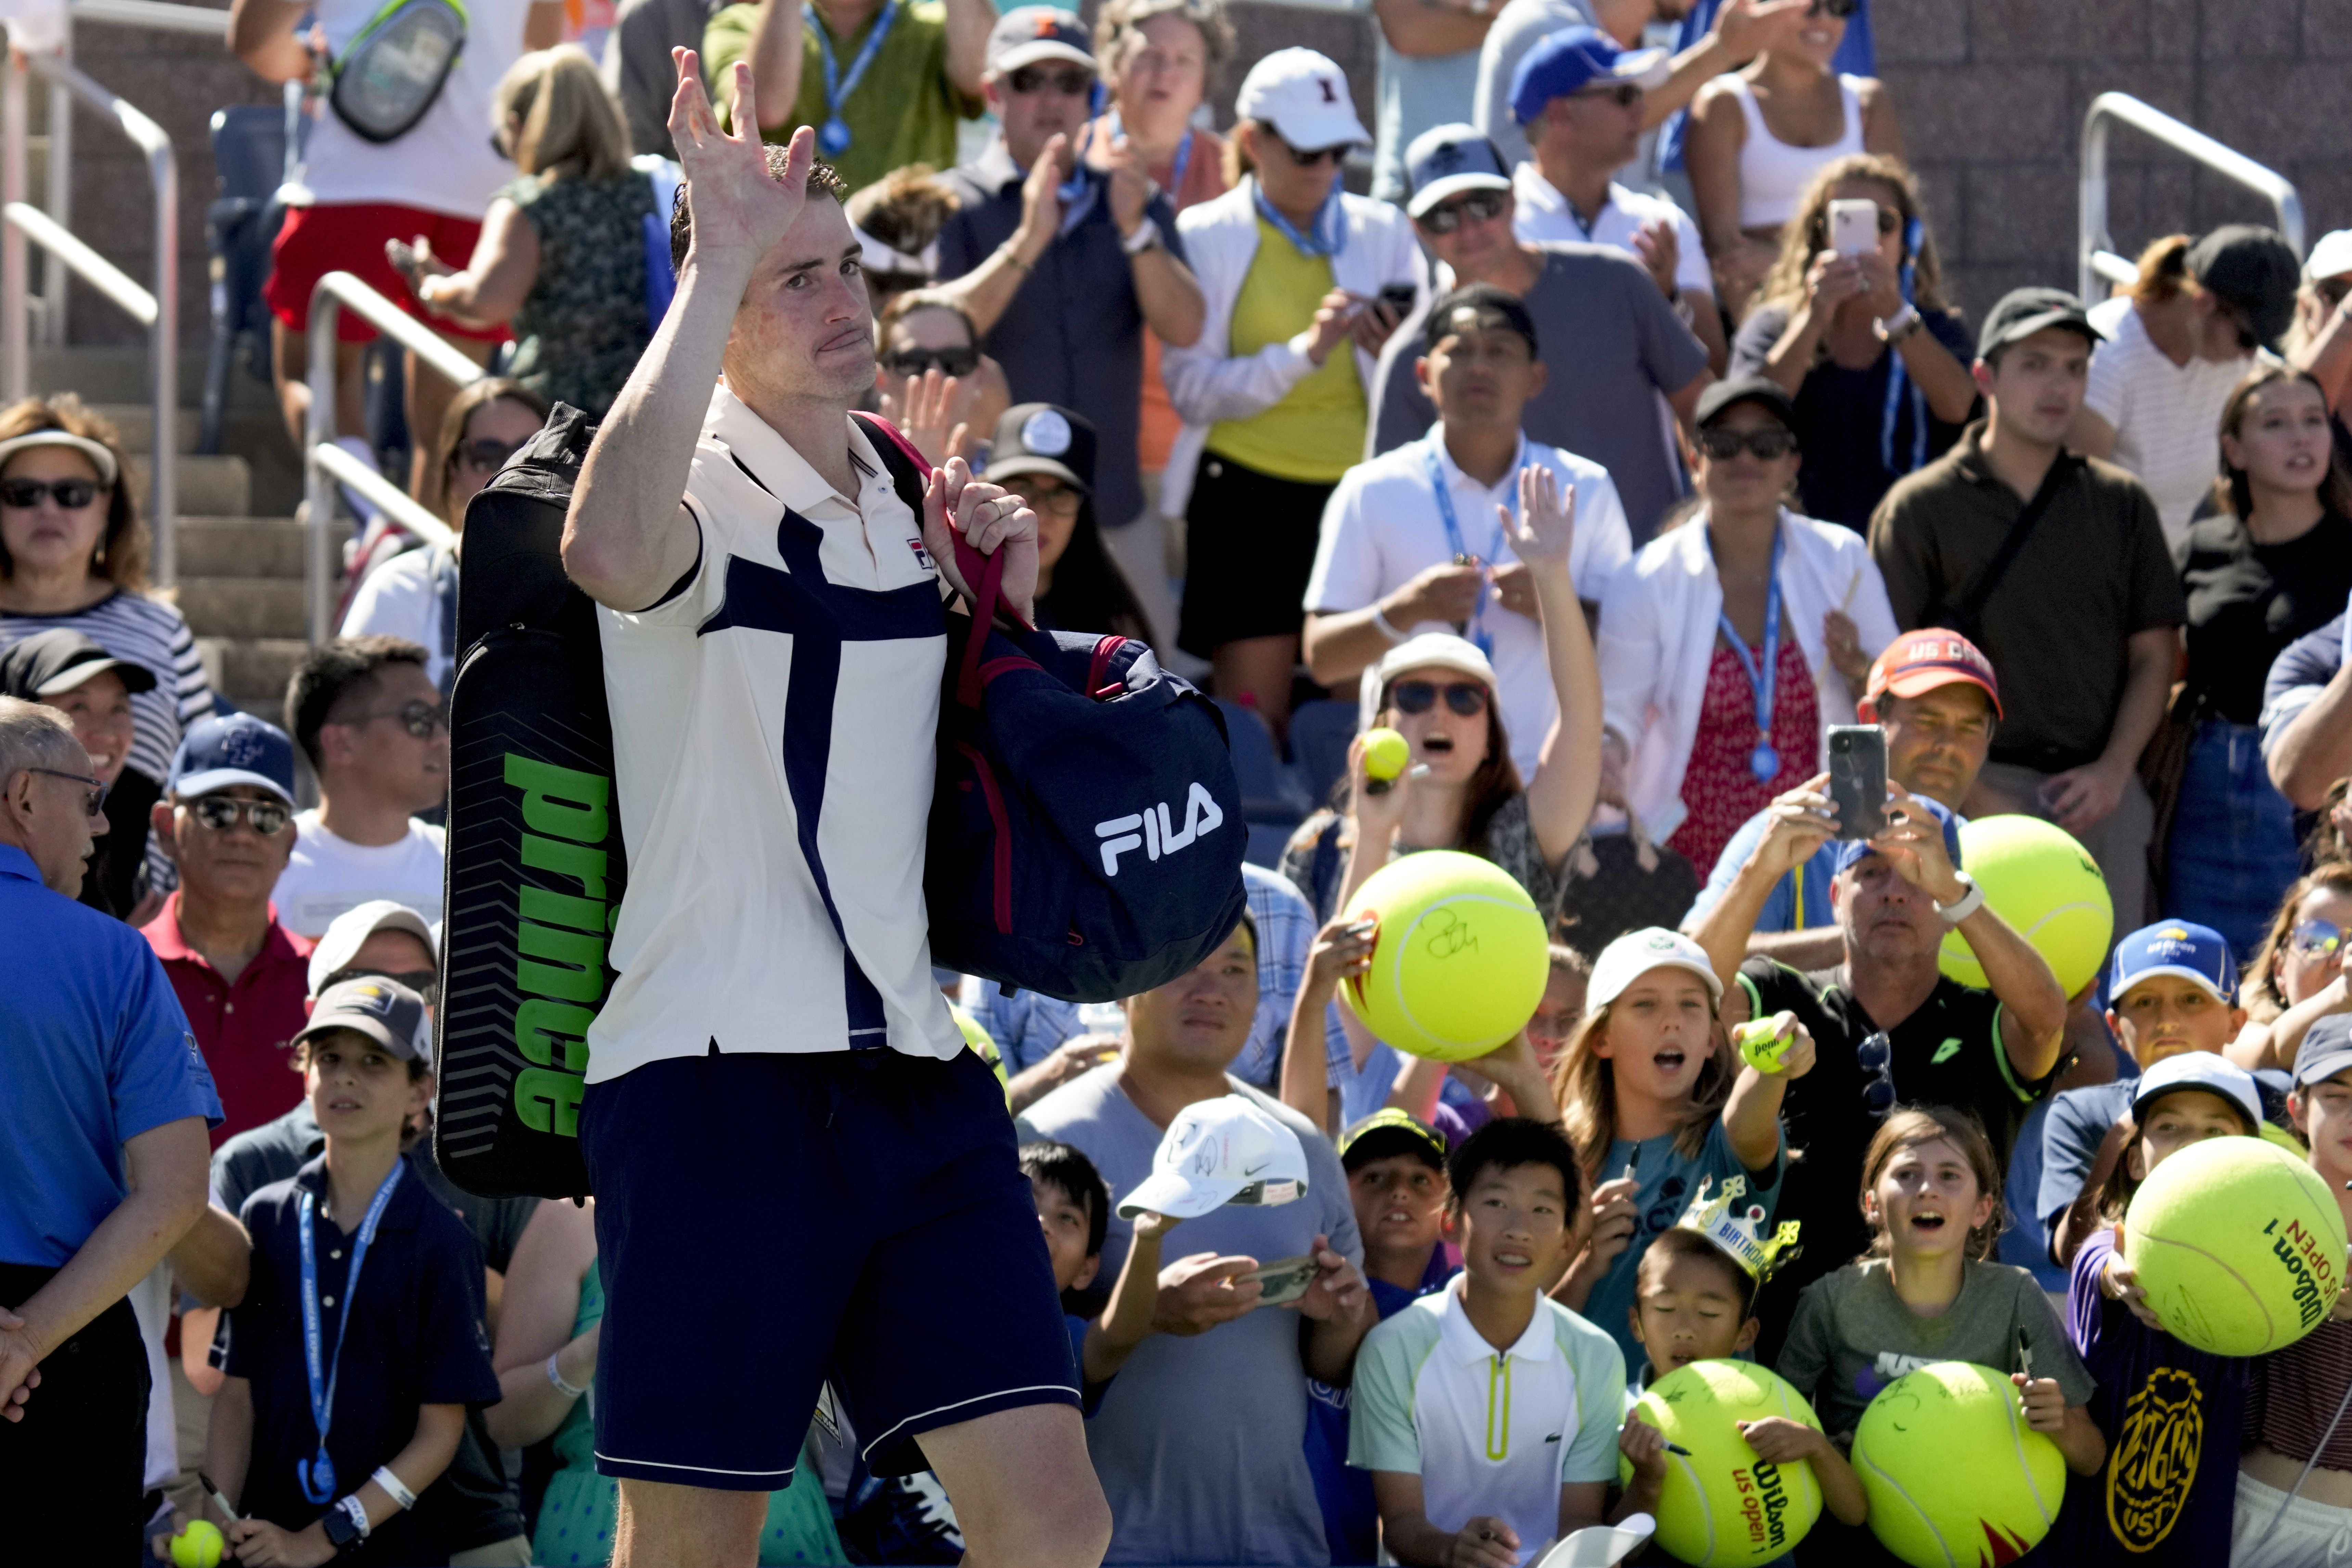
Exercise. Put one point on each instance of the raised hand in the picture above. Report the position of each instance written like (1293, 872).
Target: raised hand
(1544, 533)
(930, 410)
(1334, 319)
(741, 210)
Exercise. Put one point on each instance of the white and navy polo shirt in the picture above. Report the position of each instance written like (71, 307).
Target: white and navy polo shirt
(1489, 1432)
(773, 735)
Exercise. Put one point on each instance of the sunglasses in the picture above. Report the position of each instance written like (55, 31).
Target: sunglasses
(1332, 156)
(1769, 442)
(73, 494)
(95, 799)
(1623, 94)
(2317, 939)
(915, 362)
(1875, 1056)
(1833, 7)
(1477, 207)
(1069, 81)
(486, 453)
(220, 814)
(1061, 501)
(1466, 698)
(420, 718)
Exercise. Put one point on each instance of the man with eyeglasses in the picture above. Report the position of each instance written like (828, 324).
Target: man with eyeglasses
(1412, 541)
(1063, 252)
(1581, 100)
(106, 1101)
(376, 731)
(1888, 1025)
(227, 820)
(1629, 348)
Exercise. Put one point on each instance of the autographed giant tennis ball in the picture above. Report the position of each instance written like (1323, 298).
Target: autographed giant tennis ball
(2047, 887)
(1460, 960)
(2239, 1245)
(1722, 1507)
(1954, 1475)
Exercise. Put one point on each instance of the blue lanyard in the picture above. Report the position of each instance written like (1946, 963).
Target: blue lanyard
(1897, 379)
(1764, 761)
(318, 1474)
(834, 136)
(1477, 631)
(1330, 226)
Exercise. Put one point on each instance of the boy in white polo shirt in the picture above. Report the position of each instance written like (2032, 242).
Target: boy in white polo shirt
(1488, 1412)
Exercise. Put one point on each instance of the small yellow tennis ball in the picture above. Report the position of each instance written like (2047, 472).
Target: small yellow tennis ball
(1460, 960)
(1954, 1475)
(2239, 1245)
(1722, 1507)
(2047, 887)
(198, 1546)
(1386, 753)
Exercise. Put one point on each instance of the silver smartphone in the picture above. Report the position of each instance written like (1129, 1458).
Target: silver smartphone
(1853, 227)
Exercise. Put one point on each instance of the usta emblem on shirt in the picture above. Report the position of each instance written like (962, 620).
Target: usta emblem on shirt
(2155, 1458)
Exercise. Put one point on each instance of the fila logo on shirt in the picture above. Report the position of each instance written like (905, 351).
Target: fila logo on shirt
(1158, 834)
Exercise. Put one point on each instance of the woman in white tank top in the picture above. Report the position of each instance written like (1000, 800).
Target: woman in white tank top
(1758, 136)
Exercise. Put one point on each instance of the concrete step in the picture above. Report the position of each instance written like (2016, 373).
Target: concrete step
(119, 375)
(253, 671)
(240, 547)
(240, 607)
(135, 421)
(208, 486)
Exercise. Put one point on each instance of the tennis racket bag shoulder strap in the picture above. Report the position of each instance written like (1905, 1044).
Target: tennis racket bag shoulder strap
(1086, 836)
(536, 865)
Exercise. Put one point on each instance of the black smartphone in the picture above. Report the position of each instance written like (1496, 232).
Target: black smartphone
(1858, 778)
(1399, 299)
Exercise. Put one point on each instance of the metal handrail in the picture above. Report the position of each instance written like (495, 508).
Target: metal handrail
(2096, 258)
(153, 14)
(324, 464)
(156, 309)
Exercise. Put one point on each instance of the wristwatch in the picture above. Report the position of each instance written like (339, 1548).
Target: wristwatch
(1145, 236)
(346, 1524)
(1967, 904)
(1905, 321)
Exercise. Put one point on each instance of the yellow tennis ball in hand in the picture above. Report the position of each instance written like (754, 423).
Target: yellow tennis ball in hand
(198, 1546)
(1460, 960)
(1386, 754)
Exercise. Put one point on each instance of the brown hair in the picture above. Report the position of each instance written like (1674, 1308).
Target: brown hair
(914, 300)
(452, 434)
(301, 1061)
(569, 124)
(1586, 1089)
(2328, 841)
(2258, 990)
(332, 670)
(1807, 234)
(1916, 1124)
(1491, 787)
(905, 209)
(1119, 27)
(1676, 1241)
(822, 180)
(2163, 271)
(122, 550)
(2232, 492)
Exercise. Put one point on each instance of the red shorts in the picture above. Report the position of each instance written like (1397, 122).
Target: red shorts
(349, 238)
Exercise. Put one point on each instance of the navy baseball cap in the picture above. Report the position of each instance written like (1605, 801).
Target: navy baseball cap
(234, 749)
(1447, 160)
(2327, 1050)
(1564, 61)
(1388, 1133)
(1029, 34)
(381, 1009)
(2183, 948)
(1846, 852)
(2208, 1070)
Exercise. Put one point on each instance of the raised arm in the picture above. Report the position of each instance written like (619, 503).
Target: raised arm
(779, 45)
(500, 275)
(968, 22)
(1742, 30)
(1126, 1321)
(1799, 822)
(2315, 750)
(1568, 775)
(629, 536)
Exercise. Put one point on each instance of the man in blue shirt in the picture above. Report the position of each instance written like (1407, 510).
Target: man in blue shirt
(102, 1166)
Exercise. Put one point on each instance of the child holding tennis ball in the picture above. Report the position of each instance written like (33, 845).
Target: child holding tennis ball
(1657, 1104)
(2158, 1400)
(2295, 1476)
(1924, 1293)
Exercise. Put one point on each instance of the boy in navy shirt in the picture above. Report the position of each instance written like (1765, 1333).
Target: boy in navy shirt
(360, 1341)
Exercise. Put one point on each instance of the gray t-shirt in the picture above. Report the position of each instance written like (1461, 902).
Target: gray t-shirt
(1611, 342)
(1853, 1335)
(1518, 26)
(1178, 1492)
(1416, 92)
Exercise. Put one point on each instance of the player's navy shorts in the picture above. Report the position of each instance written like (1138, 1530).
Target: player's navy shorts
(765, 1223)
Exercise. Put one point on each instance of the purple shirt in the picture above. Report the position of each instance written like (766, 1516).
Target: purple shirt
(2171, 1415)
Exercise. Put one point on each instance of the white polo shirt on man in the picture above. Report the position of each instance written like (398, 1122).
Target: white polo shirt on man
(773, 732)
(1381, 528)
(1545, 217)
(1488, 1432)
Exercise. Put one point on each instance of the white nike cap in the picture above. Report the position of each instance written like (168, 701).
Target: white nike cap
(1218, 1151)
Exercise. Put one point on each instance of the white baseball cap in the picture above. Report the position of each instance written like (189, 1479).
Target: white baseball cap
(1430, 650)
(2331, 258)
(2208, 1070)
(1223, 1151)
(348, 933)
(1636, 953)
(1304, 96)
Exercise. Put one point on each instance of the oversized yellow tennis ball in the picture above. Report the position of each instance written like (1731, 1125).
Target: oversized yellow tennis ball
(1385, 753)
(1461, 959)
(1954, 1477)
(2239, 1245)
(1722, 1507)
(2047, 887)
(198, 1546)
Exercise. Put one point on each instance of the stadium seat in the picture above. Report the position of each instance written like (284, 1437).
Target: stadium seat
(1320, 732)
(249, 154)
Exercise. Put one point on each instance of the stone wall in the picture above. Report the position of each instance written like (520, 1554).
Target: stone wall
(1990, 92)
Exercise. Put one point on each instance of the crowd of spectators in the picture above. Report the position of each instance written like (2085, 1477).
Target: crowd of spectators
(1621, 442)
